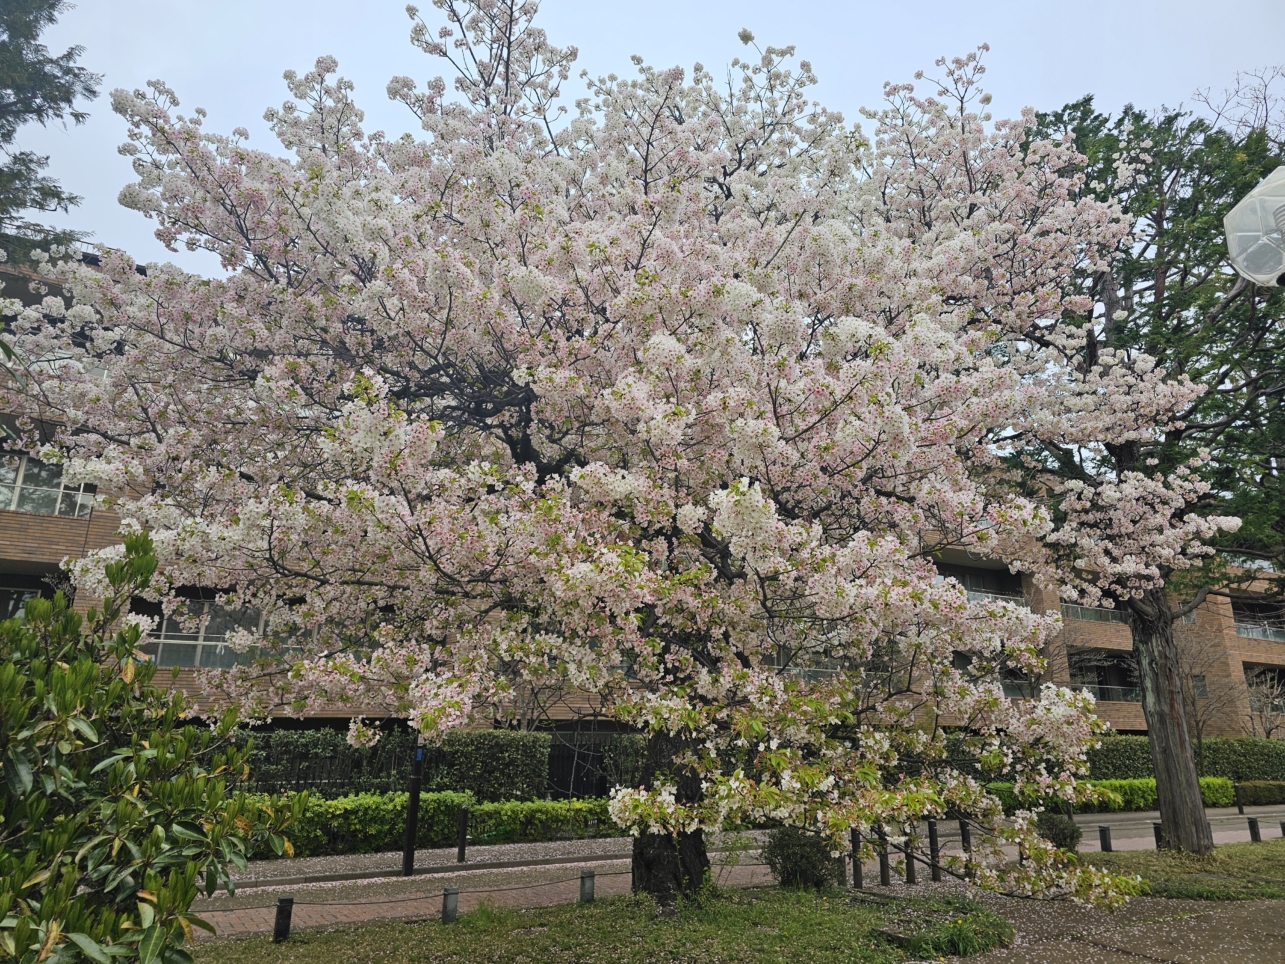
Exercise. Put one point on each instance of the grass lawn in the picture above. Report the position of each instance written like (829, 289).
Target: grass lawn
(1241, 871)
(743, 927)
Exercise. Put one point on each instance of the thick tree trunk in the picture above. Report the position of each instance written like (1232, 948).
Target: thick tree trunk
(664, 866)
(1182, 812)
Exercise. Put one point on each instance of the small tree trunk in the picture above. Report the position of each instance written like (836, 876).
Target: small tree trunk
(1182, 812)
(665, 866)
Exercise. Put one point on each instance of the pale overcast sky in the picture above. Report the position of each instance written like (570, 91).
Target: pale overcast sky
(227, 56)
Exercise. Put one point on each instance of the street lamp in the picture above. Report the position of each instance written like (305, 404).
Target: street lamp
(1256, 232)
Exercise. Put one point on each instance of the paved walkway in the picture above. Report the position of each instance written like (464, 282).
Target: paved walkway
(349, 890)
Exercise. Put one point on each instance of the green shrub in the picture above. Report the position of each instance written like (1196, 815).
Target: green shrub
(967, 929)
(1130, 796)
(1059, 830)
(493, 765)
(797, 858)
(1262, 793)
(375, 822)
(116, 807)
(1236, 758)
(623, 757)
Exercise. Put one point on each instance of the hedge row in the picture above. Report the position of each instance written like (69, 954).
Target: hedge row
(1236, 758)
(1132, 795)
(375, 823)
(1262, 793)
(491, 765)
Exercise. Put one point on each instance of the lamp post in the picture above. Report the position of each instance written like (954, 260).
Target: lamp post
(1256, 232)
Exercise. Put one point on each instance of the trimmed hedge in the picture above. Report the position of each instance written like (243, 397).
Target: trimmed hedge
(375, 823)
(1236, 758)
(1262, 793)
(1134, 795)
(492, 765)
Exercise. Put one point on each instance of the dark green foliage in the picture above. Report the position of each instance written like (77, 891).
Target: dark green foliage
(797, 858)
(623, 758)
(116, 807)
(374, 823)
(38, 86)
(492, 765)
(1059, 830)
(1237, 758)
(1262, 793)
(323, 762)
(1127, 796)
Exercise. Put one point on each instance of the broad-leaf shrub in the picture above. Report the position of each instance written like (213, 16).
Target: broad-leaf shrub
(375, 823)
(116, 809)
(797, 858)
(1237, 758)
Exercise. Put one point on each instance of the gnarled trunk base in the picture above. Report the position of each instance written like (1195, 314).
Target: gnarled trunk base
(667, 868)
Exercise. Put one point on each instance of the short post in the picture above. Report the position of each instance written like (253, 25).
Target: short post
(885, 869)
(450, 904)
(966, 838)
(858, 881)
(934, 851)
(1070, 810)
(1255, 835)
(1283, 828)
(908, 850)
(1104, 838)
(281, 926)
(461, 836)
(412, 813)
(586, 886)
(1240, 801)
(1159, 831)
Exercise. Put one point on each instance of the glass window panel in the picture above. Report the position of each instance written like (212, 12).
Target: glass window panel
(149, 648)
(223, 657)
(6, 496)
(42, 475)
(9, 466)
(12, 601)
(174, 653)
(40, 501)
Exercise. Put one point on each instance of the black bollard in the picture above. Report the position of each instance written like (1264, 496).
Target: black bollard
(885, 869)
(412, 813)
(911, 877)
(1159, 831)
(934, 851)
(461, 836)
(586, 886)
(1282, 828)
(1240, 801)
(1255, 835)
(281, 926)
(858, 880)
(450, 904)
(1104, 838)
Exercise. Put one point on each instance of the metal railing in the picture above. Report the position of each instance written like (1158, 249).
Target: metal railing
(976, 595)
(1093, 613)
(1111, 694)
(1261, 631)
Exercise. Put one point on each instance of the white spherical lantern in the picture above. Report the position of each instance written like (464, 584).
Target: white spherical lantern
(1256, 231)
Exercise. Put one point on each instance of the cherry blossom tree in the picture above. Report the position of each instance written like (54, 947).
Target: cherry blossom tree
(674, 398)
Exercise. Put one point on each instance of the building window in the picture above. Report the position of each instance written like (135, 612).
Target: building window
(197, 639)
(1259, 620)
(1200, 686)
(29, 485)
(1110, 675)
(16, 589)
(984, 585)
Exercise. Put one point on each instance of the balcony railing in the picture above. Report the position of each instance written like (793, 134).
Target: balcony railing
(1111, 694)
(1261, 631)
(1092, 613)
(977, 596)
